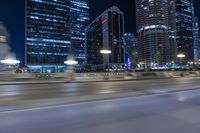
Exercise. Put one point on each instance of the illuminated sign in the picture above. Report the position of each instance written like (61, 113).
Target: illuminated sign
(104, 21)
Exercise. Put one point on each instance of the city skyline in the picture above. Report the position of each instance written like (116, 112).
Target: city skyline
(99, 66)
(13, 14)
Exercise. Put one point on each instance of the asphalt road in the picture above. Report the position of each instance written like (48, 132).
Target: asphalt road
(166, 113)
(62, 90)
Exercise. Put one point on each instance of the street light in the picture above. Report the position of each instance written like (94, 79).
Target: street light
(71, 62)
(70, 70)
(181, 56)
(10, 62)
(105, 51)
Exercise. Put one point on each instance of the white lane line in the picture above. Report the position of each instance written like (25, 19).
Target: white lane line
(78, 103)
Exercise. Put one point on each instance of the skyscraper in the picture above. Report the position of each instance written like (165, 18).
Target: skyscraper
(196, 40)
(48, 36)
(79, 10)
(152, 18)
(4, 42)
(131, 50)
(106, 32)
(172, 30)
(184, 16)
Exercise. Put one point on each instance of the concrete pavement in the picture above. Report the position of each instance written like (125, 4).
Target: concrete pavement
(35, 95)
(166, 113)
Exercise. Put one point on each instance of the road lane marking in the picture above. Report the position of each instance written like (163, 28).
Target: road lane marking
(112, 99)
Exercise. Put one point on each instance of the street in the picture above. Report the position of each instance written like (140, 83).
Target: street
(162, 113)
(63, 90)
(166, 113)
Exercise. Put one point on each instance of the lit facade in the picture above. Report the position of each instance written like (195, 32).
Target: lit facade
(79, 10)
(184, 16)
(131, 50)
(4, 42)
(8, 61)
(106, 32)
(48, 37)
(153, 27)
(196, 40)
(172, 30)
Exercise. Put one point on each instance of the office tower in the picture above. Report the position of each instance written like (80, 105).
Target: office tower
(153, 32)
(196, 40)
(184, 11)
(4, 42)
(106, 33)
(79, 10)
(131, 50)
(48, 36)
(6, 56)
(172, 30)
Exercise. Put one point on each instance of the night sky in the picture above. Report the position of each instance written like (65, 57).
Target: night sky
(12, 14)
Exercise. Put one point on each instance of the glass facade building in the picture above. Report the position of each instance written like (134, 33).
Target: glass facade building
(4, 42)
(131, 50)
(48, 36)
(106, 32)
(153, 30)
(196, 40)
(79, 10)
(184, 17)
(172, 30)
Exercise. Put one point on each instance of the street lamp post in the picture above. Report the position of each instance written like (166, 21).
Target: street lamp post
(10, 62)
(181, 56)
(71, 63)
(106, 52)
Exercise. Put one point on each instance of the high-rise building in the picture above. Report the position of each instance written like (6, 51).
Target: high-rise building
(196, 40)
(184, 16)
(4, 42)
(172, 30)
(48, 36)
(131, 50)
(152, 18)
(6, 56)
(106, 33)
(79, 10)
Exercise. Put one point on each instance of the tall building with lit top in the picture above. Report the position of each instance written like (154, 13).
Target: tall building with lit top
(184, 17)
(106, 32)
(152, 18)
(48, 34)
(79, 11)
